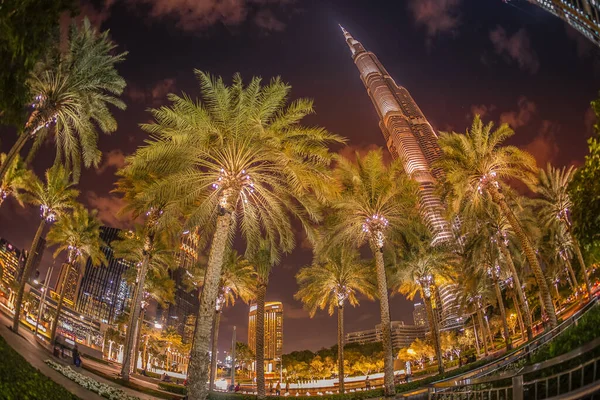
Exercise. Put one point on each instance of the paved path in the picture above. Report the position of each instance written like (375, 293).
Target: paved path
(24, 343)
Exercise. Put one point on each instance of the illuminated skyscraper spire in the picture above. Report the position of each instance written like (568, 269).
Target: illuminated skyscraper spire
(407, 133)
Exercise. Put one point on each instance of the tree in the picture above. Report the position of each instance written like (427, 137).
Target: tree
(15, 181)
(422, 269)
(375, 202)
(477, 167)
(78, 233)
(28, 28)
(237, 280)
(334, 278)
(555, 204)
(54, 197)
(239, 157)
(71, 92)
(474, 298)
(149, 250)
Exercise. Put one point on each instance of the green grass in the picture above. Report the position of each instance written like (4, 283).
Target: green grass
(19, 380)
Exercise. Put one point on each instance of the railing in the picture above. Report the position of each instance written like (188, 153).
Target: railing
(539, 381)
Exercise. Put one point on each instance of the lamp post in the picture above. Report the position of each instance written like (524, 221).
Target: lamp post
(44, 290)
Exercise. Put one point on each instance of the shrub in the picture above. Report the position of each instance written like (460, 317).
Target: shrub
(20, 380)
(172, 387)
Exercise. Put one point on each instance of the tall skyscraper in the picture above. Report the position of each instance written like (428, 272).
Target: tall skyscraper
(408, 136)
(181, 314)
(583, 15)
(104, 293)
(273, 332)
(420, 315)
(68, 279)
(12, 261)
(402, 335)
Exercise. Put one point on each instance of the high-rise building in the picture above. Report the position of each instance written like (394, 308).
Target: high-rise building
(420, 315)
(186, 300)
(12, 261)
(402, 335)
(103, 293)
(583, 15)
(408, 136)
(68, 279)
(273, 331)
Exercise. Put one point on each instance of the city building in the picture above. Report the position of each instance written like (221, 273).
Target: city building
(402, 335)
(103, 293)
(181, 314)
(67, 278)
(410, 137)
(273, 332)
(420, 315)
(12, 261)
(583, 15)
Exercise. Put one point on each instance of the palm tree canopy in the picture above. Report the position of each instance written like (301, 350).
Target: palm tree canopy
(73, 90)
(241, 149)
(132, 245)
(334, 278)
(554, 202)
(54, 197)
(15, 180)
(478, 158)
(238, 279)
(78, 233)
(373, 196)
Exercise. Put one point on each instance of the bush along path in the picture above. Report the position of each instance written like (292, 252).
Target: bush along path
(21, 381)
(102, 389)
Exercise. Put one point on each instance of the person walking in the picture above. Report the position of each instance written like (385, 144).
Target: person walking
(76, 357)
(278, 389)
(367, 383)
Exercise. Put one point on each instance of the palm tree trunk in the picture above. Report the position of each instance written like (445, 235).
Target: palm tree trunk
(476, 338)
(341, 348)
(489, 332)
(26, 272)
(138, 337)
(59, 306)
(573, 277)
(557, 295)
(529, 251)
(13, 153)
(519, 314)
(199, 362)
(213, 353)
(386, 329)
(145, 353)
(517, 285)
(435, 333)
(133, 317)
(586, 278)
(260, 340)
(482, 329)
(80, 274)
(507, 340)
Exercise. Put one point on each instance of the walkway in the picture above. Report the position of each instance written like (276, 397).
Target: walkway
(24, 343)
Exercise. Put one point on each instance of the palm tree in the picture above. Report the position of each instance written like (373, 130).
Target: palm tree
(375, 202)
(554, 205)
(475, 297)
(476, 167)
(150, 251)
(238, 157)
(54, 197)
(238, 280)
(421, 270)
(331, 280)
(72, 91)
(79, 234)
(15, 180)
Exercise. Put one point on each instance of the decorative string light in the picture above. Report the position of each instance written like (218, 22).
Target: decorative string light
(74, 253)
(228, 182)
(342, 292)
(494, 272)
(220, 303)
(375, 226)
(426, 282)
(47, 213)
(487, 179)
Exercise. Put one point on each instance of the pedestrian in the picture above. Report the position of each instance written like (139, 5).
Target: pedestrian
(367, 383)
(278, 389)
(287, 387)
(76, 358)
(237, 387)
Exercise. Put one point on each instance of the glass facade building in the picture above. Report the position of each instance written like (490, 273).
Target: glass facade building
(273, 330)
(583, 15)
(104, 294)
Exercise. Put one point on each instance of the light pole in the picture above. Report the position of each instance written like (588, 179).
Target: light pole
(44, 291)
(233, 342)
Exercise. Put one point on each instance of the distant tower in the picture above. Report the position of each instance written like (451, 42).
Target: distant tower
(407, 133)
(420, 315)
(273, 333)
(410, 137)
(583, 15)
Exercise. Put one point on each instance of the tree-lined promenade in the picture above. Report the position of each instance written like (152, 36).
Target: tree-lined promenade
(238, 164)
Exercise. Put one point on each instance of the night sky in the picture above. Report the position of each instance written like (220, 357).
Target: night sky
(510, 62)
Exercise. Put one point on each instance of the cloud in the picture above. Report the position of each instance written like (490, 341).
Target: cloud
(543, 147)
(108, 207)
(155, 95)
(437, 16)
(481, 109)
(96, 16)
(266, 19)
(290, 311)
(517, 119)
(516, 48)
(113, 159)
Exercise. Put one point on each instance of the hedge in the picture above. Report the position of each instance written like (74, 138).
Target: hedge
(20, 380)
(172, 387)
